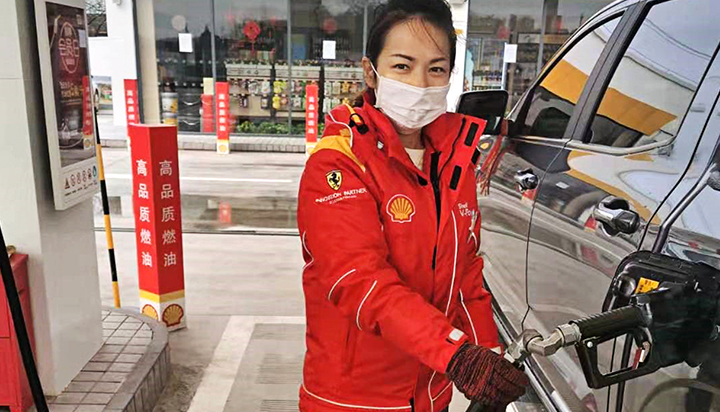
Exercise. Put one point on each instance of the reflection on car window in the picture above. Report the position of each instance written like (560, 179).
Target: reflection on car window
(654, 84)
(554, 99)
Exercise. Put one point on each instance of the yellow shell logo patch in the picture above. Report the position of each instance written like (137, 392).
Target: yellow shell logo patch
(172, 315)
(334, 179)
(401, 209)
(150, 312)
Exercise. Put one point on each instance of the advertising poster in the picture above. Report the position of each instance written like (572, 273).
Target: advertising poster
(67, 87)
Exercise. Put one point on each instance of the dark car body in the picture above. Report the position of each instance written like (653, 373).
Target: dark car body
(624, 118)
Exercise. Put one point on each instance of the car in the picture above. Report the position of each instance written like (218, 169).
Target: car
(603, 149)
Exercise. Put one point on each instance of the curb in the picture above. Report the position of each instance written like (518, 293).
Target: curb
(143, 386)
(237, 143)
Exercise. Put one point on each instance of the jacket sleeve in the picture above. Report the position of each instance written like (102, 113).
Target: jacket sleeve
(347, 264)
(476, 318)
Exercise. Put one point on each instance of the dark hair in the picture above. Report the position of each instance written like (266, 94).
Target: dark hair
(387, 16)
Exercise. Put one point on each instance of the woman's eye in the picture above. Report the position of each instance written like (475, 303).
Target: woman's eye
(437, 70)
(401, 66)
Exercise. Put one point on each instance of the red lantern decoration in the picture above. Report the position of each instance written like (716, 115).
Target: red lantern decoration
(330, 25)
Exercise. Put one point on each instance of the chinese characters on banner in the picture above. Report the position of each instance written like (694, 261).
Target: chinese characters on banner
(132, 105)
(88, 129)
(311, 117)
(222, 93)
(158, 223)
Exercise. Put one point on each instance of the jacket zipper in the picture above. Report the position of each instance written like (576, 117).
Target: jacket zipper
(435, 180)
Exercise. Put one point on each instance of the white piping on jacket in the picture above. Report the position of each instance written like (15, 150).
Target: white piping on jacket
(312, 258)
(432, 401)
(357, 318)
(467, 312)
(352, 136)
(344, 405)
(442, 391)
(452, 283)
(338, 281)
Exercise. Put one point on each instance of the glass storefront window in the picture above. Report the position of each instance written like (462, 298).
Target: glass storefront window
(537, 27)
(251, 50)
(181, 72)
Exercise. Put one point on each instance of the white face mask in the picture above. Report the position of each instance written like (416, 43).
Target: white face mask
(410, 107)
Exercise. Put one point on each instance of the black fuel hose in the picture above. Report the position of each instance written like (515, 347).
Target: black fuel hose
(610, 322)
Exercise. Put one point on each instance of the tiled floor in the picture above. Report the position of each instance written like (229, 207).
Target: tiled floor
(125, 341)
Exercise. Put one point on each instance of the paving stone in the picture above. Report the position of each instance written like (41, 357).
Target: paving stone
(119, 341)
(140, 341)
(144, 334)
(109, 348)
(133, 320)
(128, 358)
(97, 399)
(69, 398)
(122, 367)
(130, 326)
(90, 408)
(135, 349)
(124, 333)
(96, 367)
(63, 408)
(113, 377)
(106, 387)
(104, 357)
(116, 318)
(79, 386)
(88, 376)
(111, 325)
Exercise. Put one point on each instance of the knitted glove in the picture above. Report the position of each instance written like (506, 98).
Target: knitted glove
(485, 377)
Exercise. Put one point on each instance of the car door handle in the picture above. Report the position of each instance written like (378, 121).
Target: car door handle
(616, 216)
(526, 180)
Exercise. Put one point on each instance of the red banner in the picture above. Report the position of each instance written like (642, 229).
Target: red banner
(132, 105)
(208, 114)
(311, 116)
(158, 223)
(88, 129)
(222, 94)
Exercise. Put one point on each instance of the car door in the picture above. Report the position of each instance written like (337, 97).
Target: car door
(695, 236)
(631, 144)
(513, 164)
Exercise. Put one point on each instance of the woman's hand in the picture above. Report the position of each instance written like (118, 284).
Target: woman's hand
(485, 377)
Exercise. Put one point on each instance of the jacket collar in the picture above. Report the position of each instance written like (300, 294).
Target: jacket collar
(440, 135)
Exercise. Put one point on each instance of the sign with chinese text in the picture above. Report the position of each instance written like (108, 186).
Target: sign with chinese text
(311, 116)
(222, 95)
(69, 117)
(158, 223)
(132, 105)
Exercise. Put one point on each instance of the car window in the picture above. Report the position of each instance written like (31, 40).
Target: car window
(554, 99)
(653, 86)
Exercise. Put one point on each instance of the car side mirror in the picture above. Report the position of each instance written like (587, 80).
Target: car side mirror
(488, 105)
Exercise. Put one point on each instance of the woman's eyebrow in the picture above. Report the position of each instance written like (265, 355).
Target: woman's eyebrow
(404, 56)
(439, 59)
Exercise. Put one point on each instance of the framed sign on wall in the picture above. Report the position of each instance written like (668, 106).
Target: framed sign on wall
(68, 98)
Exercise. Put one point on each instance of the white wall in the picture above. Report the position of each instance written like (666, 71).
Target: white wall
(461, 12)
(114, 56)
(63, 265)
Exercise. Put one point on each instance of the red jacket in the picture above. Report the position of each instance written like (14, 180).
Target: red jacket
(392, 286)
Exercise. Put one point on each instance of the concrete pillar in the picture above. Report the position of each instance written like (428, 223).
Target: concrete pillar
(148, 61)
(461, 16)
(61, 244)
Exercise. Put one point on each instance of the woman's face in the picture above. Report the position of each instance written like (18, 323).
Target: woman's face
(416, 53)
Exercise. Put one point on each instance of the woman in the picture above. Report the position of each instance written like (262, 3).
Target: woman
(396, 311)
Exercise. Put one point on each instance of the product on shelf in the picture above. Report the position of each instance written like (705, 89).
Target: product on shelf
(342, 84)
(250, 89)
(303, 73)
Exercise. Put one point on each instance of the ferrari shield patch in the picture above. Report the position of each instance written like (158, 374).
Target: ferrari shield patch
(334, 179)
